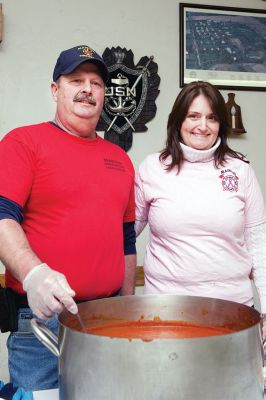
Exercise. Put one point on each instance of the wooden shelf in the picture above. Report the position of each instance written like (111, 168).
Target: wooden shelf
(139, 277)
(2, 279)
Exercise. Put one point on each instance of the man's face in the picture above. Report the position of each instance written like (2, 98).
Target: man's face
(79, 95)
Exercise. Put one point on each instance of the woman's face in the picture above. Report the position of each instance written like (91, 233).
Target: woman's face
(200, 128)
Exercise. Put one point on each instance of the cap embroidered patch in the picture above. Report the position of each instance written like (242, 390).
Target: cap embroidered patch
(87, 52)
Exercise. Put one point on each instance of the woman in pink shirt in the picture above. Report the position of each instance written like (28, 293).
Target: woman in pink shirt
(203, 205)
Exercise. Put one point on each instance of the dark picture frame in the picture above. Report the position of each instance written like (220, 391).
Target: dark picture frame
(225, 46)
(1, 23)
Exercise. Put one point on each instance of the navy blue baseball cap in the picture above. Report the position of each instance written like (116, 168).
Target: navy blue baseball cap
(70, 59)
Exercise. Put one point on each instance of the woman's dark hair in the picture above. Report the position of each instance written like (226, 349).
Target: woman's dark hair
(178, 115)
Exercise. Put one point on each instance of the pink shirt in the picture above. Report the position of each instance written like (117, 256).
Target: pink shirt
(197, 220)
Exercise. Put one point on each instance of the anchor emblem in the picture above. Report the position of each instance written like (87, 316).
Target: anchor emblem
(117, 105)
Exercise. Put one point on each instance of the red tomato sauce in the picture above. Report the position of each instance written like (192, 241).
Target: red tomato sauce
(149, 330)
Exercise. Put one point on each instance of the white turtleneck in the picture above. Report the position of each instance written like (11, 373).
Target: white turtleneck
(197, 219)
(194, 155)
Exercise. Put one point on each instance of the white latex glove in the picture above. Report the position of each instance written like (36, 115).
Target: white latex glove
(48, 292)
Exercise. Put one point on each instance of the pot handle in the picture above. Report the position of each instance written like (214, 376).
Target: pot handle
(45, 336)
(264, 361)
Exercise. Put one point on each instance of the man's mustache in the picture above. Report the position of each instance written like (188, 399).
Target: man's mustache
(84, 96)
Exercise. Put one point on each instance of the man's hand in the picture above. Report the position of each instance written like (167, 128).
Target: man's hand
(48, 292)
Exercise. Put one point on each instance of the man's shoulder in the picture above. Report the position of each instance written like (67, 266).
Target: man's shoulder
(21, 130)
(110, 145)
(113, 149)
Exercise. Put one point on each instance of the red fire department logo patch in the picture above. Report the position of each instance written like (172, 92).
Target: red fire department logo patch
(85, 51)
(229, 180)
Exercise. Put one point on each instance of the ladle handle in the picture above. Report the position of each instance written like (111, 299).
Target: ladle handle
(45, 336)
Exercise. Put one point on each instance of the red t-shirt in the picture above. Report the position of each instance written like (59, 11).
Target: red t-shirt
(76, 194)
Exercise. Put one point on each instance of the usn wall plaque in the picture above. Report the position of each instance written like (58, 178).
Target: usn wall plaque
(130, 96)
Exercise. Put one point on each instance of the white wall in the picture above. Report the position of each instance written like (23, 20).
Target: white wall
(35, 31)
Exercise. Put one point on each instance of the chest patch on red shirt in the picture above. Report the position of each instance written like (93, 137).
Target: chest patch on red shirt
(113, 164)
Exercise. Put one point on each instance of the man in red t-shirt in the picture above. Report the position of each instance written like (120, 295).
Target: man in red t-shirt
(67, 206)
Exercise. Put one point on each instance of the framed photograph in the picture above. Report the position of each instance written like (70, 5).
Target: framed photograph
(225, 46)
(1, 23)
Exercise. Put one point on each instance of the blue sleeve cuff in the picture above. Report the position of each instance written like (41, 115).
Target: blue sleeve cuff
(129, 238)
(10, 209)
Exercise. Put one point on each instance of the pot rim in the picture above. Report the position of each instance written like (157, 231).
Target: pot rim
(206, 310)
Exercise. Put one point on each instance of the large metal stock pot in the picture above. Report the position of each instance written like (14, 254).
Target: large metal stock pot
(225, 367)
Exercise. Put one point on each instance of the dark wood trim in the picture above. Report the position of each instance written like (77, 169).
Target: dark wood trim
(139, 277)
(2, 279)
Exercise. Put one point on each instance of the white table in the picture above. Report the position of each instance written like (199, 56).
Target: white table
(54, 395)
(46, 395)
